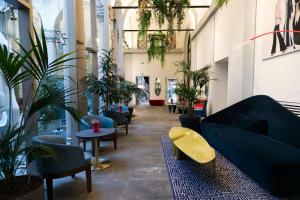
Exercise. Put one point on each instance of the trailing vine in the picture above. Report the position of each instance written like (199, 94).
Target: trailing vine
(158, 46)
(220, 3)
(163, 11)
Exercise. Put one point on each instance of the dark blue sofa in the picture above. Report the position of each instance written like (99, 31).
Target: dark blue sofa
(262, 138)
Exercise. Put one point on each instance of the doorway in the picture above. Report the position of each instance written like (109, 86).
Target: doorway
(220, 85)
(143, 83)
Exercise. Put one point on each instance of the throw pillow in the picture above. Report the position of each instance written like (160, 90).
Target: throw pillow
(251, 123)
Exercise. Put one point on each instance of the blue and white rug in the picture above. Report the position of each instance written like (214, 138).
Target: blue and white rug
(189, 180)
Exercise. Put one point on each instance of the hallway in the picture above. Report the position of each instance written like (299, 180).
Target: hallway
(138, 170)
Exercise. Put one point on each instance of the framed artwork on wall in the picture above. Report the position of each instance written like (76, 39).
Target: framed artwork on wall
(282, 17)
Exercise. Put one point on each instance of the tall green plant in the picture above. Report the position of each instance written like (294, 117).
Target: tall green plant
(16, 69)
(127, 89)
(107, 85)
(193, 84)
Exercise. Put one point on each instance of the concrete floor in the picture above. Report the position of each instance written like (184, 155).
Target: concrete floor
(138, 170)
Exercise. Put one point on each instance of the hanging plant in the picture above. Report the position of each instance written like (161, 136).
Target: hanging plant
(145, 15)
(220, 3)
(169, 11)
(162, 10)
(158, 46)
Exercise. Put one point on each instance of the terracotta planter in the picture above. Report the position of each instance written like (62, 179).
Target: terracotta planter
(24, 190)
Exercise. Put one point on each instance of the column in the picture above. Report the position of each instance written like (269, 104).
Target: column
(69, 14)
(74, 28)
(94, 54)
(119, 47)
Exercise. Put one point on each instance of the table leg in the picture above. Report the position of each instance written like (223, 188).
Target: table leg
(99, 164)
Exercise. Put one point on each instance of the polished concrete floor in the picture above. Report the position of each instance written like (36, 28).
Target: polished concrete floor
(138, 170)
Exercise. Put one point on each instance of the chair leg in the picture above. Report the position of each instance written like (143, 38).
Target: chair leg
(84, 145)
(115, 143)
(126, 128)
(49, 184)
(93, 148)
(88, 179)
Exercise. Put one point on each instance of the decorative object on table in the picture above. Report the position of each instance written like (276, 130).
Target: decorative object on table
(98, 164)
(86, 123)
(65, 164)
(189, 92)
(15, 69)
(157, 87)
(261, 138)
(96, 125)
(169, 12)
(190, 180)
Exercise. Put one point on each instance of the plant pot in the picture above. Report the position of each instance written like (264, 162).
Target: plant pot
(24, 190)
(191, 122)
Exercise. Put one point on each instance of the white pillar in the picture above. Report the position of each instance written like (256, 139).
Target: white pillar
(69, 14)
(119, 49)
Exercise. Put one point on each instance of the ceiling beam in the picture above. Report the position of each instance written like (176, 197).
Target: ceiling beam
(136, 7)
(155, 30)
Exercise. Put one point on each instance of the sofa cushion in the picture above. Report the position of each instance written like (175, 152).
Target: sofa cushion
(251, 123)
(270, 162)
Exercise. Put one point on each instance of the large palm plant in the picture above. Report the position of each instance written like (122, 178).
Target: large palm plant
(107, 86)
(191, 89)
(15, 69)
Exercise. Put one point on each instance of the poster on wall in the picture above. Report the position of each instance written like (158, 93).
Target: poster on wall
(282, 17)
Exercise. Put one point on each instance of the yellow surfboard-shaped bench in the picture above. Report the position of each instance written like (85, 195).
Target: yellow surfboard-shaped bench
(191, 144)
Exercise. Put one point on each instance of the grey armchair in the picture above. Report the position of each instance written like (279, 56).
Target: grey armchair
(69, 161)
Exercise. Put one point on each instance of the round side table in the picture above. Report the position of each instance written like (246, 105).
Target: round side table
(99, 163)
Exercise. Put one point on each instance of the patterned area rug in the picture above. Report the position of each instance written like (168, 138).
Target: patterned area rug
(189, 180)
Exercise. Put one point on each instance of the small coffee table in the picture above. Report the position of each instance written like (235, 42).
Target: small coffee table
(89, 134)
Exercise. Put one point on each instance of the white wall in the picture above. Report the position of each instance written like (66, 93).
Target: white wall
(136, 64)
(214, 40)
(248, 73)
(277, 77)
(220, 86)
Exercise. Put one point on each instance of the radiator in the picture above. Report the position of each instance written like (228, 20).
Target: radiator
(292, 106)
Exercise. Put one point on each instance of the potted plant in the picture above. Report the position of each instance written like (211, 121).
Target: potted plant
(127, 89)
(111, 87)
(15, 69)
(107, 84)
(189, 92)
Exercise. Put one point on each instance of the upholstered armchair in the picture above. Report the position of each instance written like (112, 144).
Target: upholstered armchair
(119, 118)
(69, 161)
(105, 122)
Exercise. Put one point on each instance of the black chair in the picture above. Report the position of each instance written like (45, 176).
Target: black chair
(120, 118)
